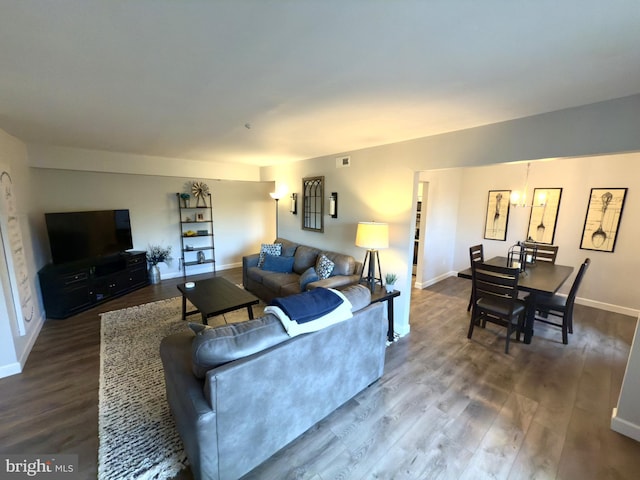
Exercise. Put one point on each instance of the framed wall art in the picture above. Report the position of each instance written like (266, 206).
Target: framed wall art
(543, 218)
(602, 221)
(495, 227)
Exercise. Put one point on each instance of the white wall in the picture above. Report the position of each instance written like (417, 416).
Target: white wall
(64, 158)
(242, 217)
(14, 348)
(440, 208)
(371, 189)
(576, 177)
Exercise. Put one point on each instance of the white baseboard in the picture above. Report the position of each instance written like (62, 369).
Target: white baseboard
(204, 269)
(608, 307)
(10, 369)
(624, 427)
(435, 280)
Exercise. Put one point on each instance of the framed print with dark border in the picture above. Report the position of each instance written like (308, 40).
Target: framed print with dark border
(603, 219)
(543, 218)
(495, 227)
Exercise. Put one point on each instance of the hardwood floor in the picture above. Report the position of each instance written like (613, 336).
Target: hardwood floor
(446, 407)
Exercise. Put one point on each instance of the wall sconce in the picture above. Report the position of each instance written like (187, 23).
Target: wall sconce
(294, 204)
(333, 205)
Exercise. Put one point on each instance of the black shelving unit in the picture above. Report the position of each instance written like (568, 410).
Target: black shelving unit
(199, 248)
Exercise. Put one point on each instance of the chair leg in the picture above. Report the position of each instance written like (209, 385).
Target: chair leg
(471, 324)
(506, 345)
(470, 302)
(565, 329)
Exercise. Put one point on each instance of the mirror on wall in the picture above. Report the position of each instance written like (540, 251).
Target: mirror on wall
(312, 204)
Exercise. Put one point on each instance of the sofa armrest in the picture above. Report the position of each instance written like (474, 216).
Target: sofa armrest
(333, 282)
(249, 261)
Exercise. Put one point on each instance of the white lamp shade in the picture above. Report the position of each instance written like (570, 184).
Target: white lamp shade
(372, 235)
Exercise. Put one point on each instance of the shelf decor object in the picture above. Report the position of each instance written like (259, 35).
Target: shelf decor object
(155, 255)
(197, 245)
(200, 190)
(602, 220)
(542, 220)
(372, 236)
(497, 219)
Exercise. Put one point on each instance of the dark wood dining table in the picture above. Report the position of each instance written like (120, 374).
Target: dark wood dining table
(539, 279)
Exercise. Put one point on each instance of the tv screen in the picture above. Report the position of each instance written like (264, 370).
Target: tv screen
(83, 235)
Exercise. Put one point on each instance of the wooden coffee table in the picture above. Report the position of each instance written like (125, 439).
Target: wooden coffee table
(215, 296)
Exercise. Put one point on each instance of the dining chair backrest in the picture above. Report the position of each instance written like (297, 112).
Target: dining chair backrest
(476, 254)
(494, 282)
(543, 252)
(576, 283)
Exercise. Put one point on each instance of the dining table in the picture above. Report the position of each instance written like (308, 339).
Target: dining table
(538, 279)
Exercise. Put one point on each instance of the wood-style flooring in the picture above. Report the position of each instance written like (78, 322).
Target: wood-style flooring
(446, 407)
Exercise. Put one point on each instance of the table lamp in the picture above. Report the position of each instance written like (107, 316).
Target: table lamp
(372, 236)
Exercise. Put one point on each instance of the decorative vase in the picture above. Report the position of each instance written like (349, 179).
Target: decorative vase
(389, 287)
(154, 275)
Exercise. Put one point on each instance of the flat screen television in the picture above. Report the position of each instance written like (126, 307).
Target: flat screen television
(88, 235)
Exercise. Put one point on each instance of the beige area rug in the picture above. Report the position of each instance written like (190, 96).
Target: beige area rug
(137, 434)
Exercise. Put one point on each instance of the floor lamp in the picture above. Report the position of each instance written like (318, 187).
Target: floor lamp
(372, 236)
(276, 196)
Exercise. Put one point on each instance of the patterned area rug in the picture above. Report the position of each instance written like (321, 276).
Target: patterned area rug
(138, 438)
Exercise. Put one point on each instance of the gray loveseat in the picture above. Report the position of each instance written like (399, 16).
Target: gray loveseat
(244, 411)
(270, 284)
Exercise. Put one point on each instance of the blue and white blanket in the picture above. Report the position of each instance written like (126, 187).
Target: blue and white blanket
(310, 311)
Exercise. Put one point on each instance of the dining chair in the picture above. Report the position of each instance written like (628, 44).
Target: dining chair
(561, 306)
(476, 254)
(543, 252)
(495, 293)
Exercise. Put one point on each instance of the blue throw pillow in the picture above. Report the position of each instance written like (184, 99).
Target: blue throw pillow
(307, 277)
(279, 264)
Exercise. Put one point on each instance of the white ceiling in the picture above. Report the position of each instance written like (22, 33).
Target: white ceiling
(185, 78)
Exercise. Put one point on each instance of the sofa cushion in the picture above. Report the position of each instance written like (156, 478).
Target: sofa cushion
(324, 266)
(305, 257)
(288, 247)
(269, 248)
(278, 264)
(275, 280)
(358, 295)
(309, 275)
(343, 264)
(212, 347)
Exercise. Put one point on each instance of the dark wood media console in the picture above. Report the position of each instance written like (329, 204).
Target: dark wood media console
(74, 287)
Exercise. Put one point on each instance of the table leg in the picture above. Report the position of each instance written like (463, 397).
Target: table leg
(529, 318)
(205, 321)
(250, 311)
(390, 319)
(184, 307)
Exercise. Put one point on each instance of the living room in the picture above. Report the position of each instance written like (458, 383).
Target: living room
(576, 148)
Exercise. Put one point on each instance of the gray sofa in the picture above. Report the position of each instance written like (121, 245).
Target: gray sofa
(268, 285)
(244, 411)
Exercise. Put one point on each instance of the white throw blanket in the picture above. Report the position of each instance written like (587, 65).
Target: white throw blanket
(293, 328)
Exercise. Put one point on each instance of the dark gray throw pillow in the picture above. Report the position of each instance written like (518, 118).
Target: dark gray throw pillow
(213, 347)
